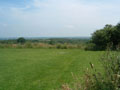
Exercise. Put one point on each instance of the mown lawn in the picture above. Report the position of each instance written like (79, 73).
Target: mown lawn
(43, 69)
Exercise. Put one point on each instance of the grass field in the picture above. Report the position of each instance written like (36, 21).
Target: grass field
(42, 69)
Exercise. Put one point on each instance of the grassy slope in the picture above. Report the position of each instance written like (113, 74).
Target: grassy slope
(42, 69)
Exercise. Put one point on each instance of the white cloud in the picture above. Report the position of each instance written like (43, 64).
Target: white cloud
(70, 26)
(5, 25)
(39, 4)
(56, 17)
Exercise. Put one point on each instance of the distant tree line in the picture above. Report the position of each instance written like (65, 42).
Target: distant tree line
(51, 41)
(58, 43)
(109, 36)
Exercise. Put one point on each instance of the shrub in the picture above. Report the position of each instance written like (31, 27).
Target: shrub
(90, 46)
(43, 45)
(19, 46)
(64, 46)
(1, 46)
(28, 45)
(61, 46)
(95, 80)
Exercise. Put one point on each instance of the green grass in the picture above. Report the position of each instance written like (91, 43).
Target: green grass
(43, 69)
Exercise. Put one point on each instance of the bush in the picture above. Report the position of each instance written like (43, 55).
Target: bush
(61, 46)
(28, 45)
(44, 45)
(95, 80)
(19, 46)
(90, 46)
(1, 46)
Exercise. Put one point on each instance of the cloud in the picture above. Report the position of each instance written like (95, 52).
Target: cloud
(70, 26)
(39, 4)
(58, 17)
(5, 25)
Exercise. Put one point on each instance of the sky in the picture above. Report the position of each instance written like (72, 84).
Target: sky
(56, 18)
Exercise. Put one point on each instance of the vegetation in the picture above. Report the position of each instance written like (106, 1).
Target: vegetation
(59, 43)
(21, 40)
(51, 41)
(31, 68)
(43, 69)
(109, 35)
(97, 80)
(100, 40)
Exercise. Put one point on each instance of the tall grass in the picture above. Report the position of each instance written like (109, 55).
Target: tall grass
(96, 80)
(43, 45)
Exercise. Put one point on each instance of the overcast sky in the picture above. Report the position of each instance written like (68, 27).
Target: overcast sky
(56, 18)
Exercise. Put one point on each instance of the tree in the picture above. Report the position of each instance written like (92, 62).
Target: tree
(21, 40)
(108, 35)
(115, 37)
(102, 37)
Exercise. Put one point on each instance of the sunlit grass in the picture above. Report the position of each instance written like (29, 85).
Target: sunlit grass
(42, 69)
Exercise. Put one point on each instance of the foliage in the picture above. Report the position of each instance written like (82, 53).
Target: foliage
(110, 80)
(96, 80)
(108, 35)
(28, 45)
(44, 45)
(61, 46)
(59, 43)
(21, 40)
(51, 41)
(90, 46)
